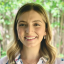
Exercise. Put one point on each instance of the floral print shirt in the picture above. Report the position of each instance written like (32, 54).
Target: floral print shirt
(18, 60)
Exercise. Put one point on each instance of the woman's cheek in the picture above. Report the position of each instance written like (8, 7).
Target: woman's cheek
(19, 32)
(40, 30)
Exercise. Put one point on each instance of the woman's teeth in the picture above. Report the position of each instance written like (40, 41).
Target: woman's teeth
(30, 37)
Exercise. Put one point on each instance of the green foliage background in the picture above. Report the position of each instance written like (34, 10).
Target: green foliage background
(8, 8)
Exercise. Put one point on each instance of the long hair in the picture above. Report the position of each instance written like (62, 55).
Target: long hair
(46, 49)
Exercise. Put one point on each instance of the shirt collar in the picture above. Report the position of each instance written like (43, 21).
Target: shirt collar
(18, 59)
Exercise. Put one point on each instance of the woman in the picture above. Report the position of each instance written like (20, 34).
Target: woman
(32, 36)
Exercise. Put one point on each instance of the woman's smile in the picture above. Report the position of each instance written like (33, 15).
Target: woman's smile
(30, 38)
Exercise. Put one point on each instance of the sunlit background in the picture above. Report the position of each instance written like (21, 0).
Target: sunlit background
(54, 9)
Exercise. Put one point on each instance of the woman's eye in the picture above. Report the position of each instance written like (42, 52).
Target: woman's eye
(36, 24)
(22, 25)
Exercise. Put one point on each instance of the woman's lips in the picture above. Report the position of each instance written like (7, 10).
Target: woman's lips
(29, 38)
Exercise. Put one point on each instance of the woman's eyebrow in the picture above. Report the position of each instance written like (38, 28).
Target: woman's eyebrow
(37, 21)
(21, 21)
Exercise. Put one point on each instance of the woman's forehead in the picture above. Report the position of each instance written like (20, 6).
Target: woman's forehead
(31, 15)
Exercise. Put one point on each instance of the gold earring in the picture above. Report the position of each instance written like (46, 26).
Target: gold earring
(44, 37)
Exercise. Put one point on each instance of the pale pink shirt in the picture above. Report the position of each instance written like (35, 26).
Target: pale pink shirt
(4, 60)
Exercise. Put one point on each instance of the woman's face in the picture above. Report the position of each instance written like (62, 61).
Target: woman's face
(31, 28)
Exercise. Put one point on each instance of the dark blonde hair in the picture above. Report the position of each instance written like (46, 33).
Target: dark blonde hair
(46, 50)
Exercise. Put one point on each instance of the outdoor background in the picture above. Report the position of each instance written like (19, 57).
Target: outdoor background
(54, 9)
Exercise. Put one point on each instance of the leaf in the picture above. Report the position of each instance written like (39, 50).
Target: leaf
(0, 17)
(1, 37)
(61, 55)
(57, 45)
(7, 36)
(7, 22)
(3, 52)
(37, 1)
(62, 27)
(46, 6)
(2, 3)
(55, 24)
(61, 43)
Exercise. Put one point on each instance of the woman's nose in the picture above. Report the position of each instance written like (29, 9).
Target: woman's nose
(29, 29)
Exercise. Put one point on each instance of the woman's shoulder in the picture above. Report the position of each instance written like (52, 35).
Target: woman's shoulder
(3, 60)
(59, 61)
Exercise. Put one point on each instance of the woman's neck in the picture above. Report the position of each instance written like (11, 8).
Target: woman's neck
(30, 53)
